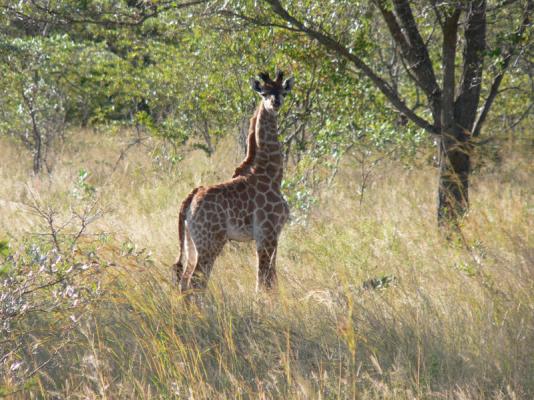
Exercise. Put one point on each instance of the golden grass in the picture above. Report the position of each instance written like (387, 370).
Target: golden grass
(454, 320)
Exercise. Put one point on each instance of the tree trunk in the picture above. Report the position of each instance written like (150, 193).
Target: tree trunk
(37, 155)
(207, 138)
(454, 168)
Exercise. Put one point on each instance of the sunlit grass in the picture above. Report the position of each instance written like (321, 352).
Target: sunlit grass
(446, 319)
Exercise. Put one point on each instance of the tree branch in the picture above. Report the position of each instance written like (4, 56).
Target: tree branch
(450, 33)
(494, 90)
(473, 59)
(414, 51)
(114, 18)
(417, 46)
(257, 21)
(342, 51)
(439, 17)
(502, 4)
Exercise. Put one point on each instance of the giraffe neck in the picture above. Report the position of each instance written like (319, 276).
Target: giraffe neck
(269, 159)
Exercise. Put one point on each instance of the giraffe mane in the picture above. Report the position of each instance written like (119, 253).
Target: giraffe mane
(245, 167)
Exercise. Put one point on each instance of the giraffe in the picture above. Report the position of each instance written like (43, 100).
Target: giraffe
(250, 206)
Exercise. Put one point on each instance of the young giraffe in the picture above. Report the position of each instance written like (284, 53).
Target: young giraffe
(250, 206)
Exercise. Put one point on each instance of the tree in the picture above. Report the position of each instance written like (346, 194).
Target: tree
(33, 110)
(455, 111)
(96, 62)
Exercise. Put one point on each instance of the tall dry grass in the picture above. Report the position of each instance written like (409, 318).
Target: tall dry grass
(373, 303)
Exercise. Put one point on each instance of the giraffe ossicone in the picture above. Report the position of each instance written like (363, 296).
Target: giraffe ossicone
(248, 207)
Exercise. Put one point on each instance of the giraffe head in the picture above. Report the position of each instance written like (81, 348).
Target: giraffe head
(272, 91)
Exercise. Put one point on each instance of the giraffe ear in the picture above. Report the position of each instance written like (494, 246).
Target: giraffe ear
(255, 84)
(288, 84)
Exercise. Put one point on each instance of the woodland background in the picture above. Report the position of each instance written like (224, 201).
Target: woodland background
(112, 111)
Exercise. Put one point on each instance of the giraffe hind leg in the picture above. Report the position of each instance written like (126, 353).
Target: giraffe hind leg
(266, 253)
(177, 271)
(199, 278)
(201, 266)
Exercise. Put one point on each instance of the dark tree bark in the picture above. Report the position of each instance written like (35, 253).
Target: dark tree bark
(454, 108)
(454, 155)
(37, 154)
(36, 145)
(454, 151)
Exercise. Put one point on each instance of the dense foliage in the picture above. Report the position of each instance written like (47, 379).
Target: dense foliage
(184, 75)
(179, 70)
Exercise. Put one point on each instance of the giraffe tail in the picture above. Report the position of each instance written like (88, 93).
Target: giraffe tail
(178, 267)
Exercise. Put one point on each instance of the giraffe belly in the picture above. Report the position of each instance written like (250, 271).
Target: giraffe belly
(238, 232)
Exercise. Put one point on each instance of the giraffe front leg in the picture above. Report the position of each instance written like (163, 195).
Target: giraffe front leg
(266, 252)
